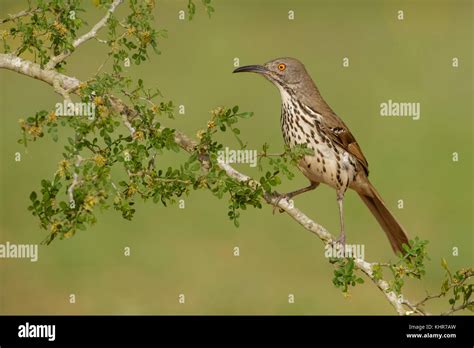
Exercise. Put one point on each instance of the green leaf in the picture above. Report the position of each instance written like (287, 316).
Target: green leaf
(444, 263)
(191, 9)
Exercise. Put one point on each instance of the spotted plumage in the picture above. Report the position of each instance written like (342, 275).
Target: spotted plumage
(302, 125)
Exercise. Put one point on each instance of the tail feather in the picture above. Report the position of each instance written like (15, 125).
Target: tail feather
(394, 231)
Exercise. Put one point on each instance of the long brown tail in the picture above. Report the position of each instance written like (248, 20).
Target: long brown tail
(394, 231)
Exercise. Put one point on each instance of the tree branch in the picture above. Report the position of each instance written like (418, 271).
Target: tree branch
(28, 68)
(87, 36)
(75, 181)
(12, 17)
(458, 308)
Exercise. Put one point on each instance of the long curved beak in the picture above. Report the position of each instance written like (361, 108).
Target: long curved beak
(260, 69)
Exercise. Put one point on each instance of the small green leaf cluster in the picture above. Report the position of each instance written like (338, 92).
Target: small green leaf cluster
(221, 120)
(411, 264)
(131, 37)
(97, 147)
(192, 8)
(281, 163)
(45, 28)
(344, 275)
(457, 286)
(241, 193)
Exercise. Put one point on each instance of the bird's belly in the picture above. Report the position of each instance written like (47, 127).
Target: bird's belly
(326, 168)
(330, 163)
(335, 169)
(315, 172)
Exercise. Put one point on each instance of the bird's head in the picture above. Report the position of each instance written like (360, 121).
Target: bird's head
(283, 72)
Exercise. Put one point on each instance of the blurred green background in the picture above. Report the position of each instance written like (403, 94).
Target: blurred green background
(190, 250)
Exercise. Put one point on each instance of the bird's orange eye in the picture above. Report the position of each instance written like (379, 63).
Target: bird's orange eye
(281, 67)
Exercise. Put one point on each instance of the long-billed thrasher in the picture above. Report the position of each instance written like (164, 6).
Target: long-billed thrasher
(338, 160)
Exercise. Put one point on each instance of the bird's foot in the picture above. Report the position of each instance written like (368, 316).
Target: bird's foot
(277, 197)
(340, 242)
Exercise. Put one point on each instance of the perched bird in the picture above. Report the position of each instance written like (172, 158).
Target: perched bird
(338, 160)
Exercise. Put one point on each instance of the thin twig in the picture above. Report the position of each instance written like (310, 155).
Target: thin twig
(458, 308)
(75, 180)
(20, 14)
(87, 36)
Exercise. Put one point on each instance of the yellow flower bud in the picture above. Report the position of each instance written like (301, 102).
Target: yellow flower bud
(138, 135)
(98, 100)
(55, 227)
(131, 190)
(100, 160)
(146, 37)
(60, 28)
(89, 202)
(35, 131)
(103, 111)
(217, 111)
(52, 117)
(200, 134)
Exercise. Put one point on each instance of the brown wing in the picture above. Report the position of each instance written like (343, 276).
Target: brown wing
(334, 126)
(340, 134)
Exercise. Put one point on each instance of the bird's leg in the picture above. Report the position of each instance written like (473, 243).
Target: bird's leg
(342, 236)
(292, 194)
